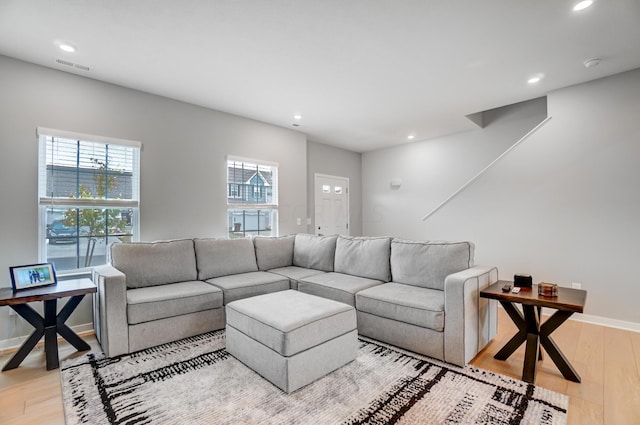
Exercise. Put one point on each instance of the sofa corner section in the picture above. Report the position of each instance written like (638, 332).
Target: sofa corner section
(470, 321)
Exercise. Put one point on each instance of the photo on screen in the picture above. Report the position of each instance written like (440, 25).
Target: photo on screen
(30, 276)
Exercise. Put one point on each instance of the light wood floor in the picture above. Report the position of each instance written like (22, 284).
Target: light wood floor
(608, 360)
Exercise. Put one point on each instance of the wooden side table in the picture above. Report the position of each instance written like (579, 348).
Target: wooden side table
(531, 331)
(51, 324)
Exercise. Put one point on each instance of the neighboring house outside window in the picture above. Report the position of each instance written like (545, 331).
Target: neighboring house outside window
(252, 197)
(88, 197)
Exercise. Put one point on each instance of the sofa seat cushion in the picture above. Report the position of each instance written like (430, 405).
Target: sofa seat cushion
(173, 299)
(336, 286)
(290, 322)
(245, 285)
(404, 303)
(295, 273)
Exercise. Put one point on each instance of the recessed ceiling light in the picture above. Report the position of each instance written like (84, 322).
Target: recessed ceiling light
(66, 47)
(411, 136)
(534, 79)
(297, 117)
(581, 5)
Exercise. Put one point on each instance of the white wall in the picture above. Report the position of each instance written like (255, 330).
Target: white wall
(432, 170)
(183, 180)
(563, 206)
(324, 159)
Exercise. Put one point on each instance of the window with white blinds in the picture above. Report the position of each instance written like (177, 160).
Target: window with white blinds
(252, 197)
(89, 196)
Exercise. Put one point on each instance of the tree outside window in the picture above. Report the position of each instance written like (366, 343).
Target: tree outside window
(88, 199)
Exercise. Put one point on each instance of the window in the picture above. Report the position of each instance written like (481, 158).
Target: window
(235, 191)
(88, 190)
(252, 197)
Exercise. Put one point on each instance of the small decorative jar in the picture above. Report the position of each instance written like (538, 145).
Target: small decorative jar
(547, 289)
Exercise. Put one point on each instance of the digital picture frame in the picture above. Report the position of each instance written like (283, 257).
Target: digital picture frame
(33, 275)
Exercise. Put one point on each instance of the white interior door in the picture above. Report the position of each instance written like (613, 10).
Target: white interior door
(332, 205)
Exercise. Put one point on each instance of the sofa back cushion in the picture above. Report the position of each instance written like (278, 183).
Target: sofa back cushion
(155, 263)
(428, 263)
(364, 257)
(314, 252)
(223, 257)
(273, 253)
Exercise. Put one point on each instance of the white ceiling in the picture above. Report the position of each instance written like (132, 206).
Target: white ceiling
(364, 73)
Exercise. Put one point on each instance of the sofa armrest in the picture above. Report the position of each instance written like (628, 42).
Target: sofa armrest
(110, 310)
(470, 321)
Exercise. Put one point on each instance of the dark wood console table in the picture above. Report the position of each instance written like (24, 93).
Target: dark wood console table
(531, 331)
(51, 324)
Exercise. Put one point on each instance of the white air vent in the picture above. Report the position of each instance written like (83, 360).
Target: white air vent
(73, 65)
(64, 62)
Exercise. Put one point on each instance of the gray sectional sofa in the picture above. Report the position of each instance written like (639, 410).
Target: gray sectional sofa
(419, 295)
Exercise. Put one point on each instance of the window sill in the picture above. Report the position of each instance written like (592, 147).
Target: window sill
(74, 274)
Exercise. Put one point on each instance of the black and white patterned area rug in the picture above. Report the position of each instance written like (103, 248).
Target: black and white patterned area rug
(195, 381)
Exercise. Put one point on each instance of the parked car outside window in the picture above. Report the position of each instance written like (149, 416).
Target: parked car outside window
(57, 231)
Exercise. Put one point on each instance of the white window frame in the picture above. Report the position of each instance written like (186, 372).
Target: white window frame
(45, 200)
(272, 207)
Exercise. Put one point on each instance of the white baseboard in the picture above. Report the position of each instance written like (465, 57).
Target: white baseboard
(12, 344)
(596, 320)
(604, 321)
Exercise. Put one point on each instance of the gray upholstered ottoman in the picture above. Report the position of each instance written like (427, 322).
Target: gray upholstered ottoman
(291, 338)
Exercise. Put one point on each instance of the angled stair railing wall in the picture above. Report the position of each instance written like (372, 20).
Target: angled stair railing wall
(474, 178)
